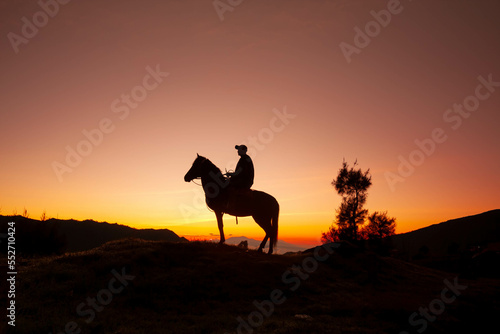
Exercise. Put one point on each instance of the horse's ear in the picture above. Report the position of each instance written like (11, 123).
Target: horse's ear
(197, 155)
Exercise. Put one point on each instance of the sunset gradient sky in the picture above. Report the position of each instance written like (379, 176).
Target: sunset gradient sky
(152, 83)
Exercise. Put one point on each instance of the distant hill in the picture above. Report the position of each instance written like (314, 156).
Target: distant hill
(57, 236)
(282, 248)
(452, 236)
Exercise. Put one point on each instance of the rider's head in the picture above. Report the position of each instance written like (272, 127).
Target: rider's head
(242, 149)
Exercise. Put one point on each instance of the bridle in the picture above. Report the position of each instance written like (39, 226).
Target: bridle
(201, 163)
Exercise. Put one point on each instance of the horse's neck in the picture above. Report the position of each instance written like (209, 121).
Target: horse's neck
(212, 175)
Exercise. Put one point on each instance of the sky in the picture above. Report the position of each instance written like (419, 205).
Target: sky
(105, 105)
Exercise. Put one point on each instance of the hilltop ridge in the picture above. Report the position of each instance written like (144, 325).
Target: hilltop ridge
(203, 287)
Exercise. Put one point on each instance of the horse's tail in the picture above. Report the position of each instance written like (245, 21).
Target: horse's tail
(274, 226)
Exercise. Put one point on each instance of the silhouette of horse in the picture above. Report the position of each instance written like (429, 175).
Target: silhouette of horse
(261, 206)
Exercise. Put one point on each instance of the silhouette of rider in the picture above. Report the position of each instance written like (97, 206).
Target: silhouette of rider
(242, 178)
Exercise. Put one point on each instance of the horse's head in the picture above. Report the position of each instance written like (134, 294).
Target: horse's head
(196, 169)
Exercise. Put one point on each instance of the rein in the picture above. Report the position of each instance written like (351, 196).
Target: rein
(195, 182)
(230, 171)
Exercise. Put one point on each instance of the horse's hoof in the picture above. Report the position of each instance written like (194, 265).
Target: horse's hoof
(259, 250)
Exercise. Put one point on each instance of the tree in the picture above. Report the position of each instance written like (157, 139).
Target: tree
(333, 235)
(352, 184)
(379, 226)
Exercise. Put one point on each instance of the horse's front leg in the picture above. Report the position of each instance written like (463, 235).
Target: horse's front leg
(220, 223)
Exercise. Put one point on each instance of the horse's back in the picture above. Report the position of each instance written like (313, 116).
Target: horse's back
(264, 196)
(252, 203)
(265, 202)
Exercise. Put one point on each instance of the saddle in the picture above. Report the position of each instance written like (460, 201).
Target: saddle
(237, 198)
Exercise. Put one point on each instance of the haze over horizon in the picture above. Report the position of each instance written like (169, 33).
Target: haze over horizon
(105, 106)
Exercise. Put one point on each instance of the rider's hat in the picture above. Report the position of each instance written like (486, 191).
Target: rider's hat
(244, 147)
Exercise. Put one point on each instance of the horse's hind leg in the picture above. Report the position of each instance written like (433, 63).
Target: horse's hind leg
(270, 246)
(263, 243)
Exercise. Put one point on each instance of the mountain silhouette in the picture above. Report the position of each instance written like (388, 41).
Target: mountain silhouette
(469, 246)
(58, 236)
(452, 235)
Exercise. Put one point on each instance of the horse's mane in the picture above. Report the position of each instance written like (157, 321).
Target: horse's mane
(213, 167)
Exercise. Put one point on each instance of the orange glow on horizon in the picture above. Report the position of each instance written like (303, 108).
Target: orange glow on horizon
(292, 229)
